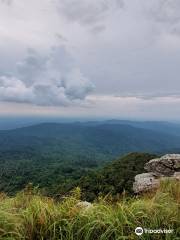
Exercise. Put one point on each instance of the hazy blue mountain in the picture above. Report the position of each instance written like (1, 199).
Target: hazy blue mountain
(8, 123)
(108, 137)
(160, 126)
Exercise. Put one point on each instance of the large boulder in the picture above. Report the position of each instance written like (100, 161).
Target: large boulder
(168, 166)
(165, 166)
(145, 182)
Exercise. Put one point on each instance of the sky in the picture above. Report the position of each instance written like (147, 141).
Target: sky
(90, 58)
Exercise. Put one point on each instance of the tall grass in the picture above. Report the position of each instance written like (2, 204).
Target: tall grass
(32, 216)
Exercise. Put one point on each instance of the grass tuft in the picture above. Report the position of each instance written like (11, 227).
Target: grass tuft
(30, 216)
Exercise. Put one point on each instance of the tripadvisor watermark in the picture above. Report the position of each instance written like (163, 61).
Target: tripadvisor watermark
(139, 231)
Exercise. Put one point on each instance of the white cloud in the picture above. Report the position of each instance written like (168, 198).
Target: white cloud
(48, 80)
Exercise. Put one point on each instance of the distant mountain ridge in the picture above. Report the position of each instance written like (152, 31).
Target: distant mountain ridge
(160, 126)
(112, 136)
(53, 155)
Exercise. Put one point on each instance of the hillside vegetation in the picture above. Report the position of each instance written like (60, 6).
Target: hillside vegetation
(115, 177)
(57, 178)
(59, 165)
(31, 216)
(54, 156)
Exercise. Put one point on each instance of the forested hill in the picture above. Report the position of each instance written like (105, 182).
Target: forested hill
(113, 139)
(115, 177)
(52, 155)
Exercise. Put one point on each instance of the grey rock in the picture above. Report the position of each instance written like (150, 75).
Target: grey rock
(167, 165)
(145, 182)
(175, 158)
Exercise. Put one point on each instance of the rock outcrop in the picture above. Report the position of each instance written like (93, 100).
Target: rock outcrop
(167, 166)
(145, 182)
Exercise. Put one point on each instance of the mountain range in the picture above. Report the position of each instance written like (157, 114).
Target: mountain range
(52, 154)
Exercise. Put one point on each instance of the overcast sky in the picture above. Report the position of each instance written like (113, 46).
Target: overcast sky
(90, 58)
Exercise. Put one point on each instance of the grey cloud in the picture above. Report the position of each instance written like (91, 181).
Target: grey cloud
(52, 80)
(8, 2)
(136, 56)
(61, 38)
(150, 96)
(89, 13)
(166, 13)
(98, 29)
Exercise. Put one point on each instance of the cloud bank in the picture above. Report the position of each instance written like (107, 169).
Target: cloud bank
(125, 48)
(49, 80)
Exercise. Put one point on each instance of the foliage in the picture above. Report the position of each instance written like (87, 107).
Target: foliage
(115, 177)
(55, 156)
(48, 171)
(31, 216)
(54, 176)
